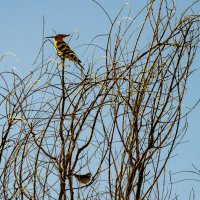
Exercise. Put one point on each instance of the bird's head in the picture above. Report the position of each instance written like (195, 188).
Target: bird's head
(58, 37)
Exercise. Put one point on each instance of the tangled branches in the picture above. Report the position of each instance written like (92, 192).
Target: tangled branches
(119, 123)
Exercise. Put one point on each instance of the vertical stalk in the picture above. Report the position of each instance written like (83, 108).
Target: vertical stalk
(62, 163)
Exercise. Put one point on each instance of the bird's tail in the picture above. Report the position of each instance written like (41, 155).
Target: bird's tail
(81, 66)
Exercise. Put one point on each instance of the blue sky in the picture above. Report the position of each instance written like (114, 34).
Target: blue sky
(21, 31)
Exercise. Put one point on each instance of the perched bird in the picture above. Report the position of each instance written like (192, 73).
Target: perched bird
(63, 49)
(84, 178)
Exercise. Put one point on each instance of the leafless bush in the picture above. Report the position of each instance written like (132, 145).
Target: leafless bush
(120, 121)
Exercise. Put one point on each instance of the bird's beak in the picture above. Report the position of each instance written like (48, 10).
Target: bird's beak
(50, 37)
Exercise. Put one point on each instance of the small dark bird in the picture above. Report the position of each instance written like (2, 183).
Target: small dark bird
(84, 178)
(63, 50)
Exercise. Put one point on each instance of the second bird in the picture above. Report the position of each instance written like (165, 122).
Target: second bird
(63, 49)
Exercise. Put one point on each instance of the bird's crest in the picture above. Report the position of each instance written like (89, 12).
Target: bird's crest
(60, 36)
